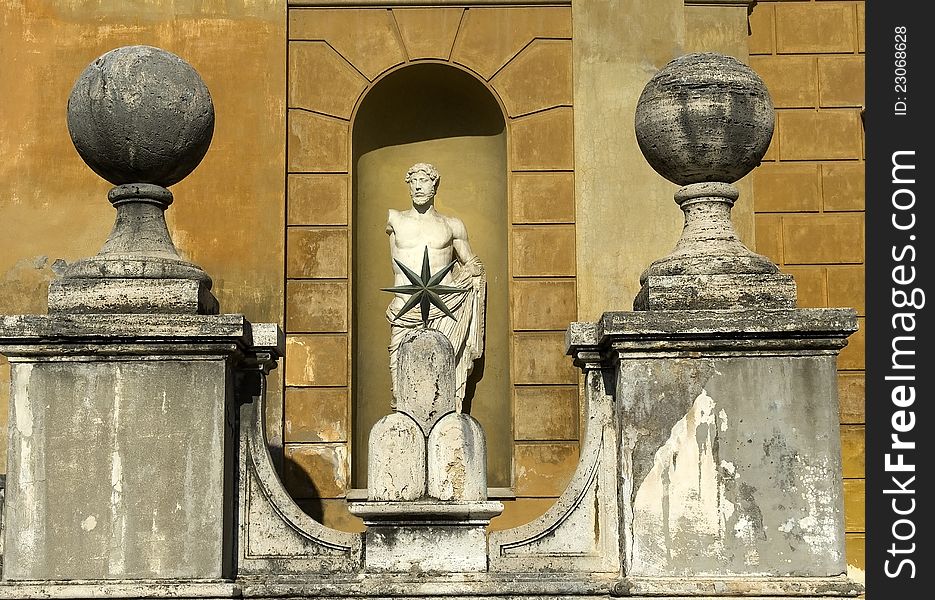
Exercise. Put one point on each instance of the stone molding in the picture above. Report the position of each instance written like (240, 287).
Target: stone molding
(819, 329)
(275, 536)
(579, 533)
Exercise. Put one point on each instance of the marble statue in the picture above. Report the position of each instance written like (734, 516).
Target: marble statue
(411, 233)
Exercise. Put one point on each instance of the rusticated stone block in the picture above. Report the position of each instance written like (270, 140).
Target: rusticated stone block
(316, 415)
(854, 494)
(821, 135)
(855, 544)
(841, 80)
(545, 412)
(762, 21)
(316, 470)
(538, 78)
(823, 239)
(543, 141)
(543, 304)
(543, 197)
(317, 199)
(366, 38)
(851, 391)
(321, 81)
(540, 358)
(842, 185)
(316, 143)
(316, 306)
(316, 252)
(428, 32)
(490, 37)
(786, 187)
(769, 237)
(846, 286)
(811, 289)
(852, 356)
(544, 469)
(852, 451)
(815, 27)
(544, 251)
(316, 360)
(792, 81)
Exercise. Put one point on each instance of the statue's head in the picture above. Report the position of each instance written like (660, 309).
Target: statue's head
(423, 181)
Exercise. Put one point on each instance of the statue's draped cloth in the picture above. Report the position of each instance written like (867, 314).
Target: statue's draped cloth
(466, 334)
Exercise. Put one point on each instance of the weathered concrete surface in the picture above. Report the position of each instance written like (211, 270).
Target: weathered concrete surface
(397, 468)
(580, 533)
(116, 473)
(479, 586)
(276, 537)
(457, 459)
(737, 470)
(730, 455)
(716, 291)
(139, 114)
(121, 444)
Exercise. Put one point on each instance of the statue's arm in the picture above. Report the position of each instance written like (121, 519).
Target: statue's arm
(462, 247)
(391, 231)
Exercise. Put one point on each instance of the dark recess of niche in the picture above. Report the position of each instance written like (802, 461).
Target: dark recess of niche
(425, 102)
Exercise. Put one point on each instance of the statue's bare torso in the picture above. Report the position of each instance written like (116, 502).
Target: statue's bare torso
(412, 231)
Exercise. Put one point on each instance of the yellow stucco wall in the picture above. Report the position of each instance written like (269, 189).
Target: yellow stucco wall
(54, 207)
(809, 192)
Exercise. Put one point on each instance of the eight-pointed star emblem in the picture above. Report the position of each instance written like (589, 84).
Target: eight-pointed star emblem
(425, 289)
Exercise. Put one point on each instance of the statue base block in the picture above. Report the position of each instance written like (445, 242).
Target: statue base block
(426, 536)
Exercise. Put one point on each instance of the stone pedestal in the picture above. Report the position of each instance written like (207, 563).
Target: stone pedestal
(730, 452)
(426, 536)
(426, 507)
(121, 457)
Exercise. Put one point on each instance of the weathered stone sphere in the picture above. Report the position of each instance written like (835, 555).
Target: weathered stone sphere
(139, 114)
(704, 117)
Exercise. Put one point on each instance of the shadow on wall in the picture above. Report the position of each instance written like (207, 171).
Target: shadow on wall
(302, 489)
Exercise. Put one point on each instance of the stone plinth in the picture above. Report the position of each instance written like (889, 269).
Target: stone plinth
(730, 451)
(426, 536)
(121, 457)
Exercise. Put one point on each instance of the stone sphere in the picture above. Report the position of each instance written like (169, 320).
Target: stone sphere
(139, 114)
(704, 117)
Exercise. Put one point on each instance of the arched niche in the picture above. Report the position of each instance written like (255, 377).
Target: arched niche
(442, 115)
